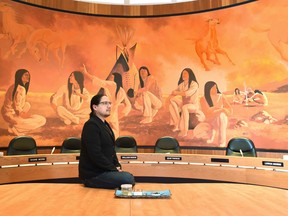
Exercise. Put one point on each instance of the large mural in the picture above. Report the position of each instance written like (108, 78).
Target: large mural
(202, 78)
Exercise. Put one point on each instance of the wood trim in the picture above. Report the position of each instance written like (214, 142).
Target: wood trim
(269, 153)
(190, 150)
(135, 10)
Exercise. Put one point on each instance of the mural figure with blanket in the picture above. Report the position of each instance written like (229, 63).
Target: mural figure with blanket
(216, 108)
(183, 101)
(15, 109)
(71, 101)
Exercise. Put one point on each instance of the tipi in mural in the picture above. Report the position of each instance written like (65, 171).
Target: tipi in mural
(125, 62)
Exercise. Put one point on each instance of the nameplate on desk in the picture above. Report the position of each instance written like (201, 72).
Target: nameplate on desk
(271, 163)
(222, 160)
(36, 159)
(173, 158)
(129, 157)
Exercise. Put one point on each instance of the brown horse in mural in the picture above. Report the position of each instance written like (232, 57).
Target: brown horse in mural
(16, 32)
(50, 42)
(209, 45)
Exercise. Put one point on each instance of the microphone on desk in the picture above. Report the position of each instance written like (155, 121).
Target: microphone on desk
(52, 151)
(241, 153)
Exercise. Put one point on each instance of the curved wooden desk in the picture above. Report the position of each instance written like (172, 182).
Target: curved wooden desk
(258, 171)
(187, 199)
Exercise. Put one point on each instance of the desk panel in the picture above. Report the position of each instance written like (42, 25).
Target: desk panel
(259, 171)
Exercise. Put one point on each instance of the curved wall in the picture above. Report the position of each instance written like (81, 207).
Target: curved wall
(166, 44)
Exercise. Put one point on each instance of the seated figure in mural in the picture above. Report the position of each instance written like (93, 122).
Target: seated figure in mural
(149, 96)
(256, 97)
(239, 96)
(183, 100)
(216, 109)
(15, 107)
(71, 101)
(117, 95)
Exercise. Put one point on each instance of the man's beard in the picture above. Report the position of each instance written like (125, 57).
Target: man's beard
(106, 115)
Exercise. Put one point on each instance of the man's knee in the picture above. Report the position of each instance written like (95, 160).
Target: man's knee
(128, 178)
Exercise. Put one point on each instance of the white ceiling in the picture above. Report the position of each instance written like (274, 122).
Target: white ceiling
(135, 2)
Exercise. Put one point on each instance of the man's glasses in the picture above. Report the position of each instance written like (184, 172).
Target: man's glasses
(106, 103)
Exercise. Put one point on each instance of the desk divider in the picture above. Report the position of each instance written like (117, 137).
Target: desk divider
(259, 171)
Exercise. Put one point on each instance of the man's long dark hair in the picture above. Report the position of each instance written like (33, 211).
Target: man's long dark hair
(95, 101)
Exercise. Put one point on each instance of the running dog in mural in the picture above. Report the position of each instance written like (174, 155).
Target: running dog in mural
(16, 32)
(209, 45)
